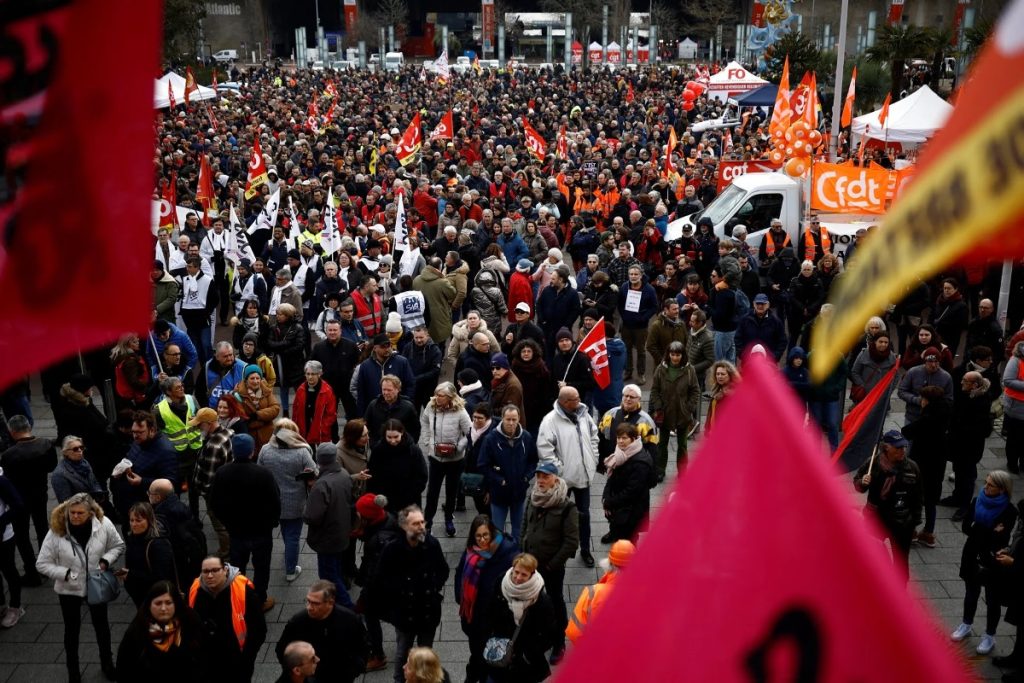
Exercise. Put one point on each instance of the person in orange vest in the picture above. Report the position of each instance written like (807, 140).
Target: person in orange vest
(774, 241)
(226, 601)
(817, 241)
(593, 597)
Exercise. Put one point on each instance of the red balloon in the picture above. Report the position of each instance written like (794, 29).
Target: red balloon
(687, 105)
(689, 95)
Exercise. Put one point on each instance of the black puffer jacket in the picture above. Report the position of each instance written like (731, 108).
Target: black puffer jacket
(627, 495)
(409, 584)
(397, 472)
(288, 342)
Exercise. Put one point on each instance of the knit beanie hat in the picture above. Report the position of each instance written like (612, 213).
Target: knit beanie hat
(394, 323)
(326, 453)
(242, 447)
(249, 369)
(563, 333)
(525, 265)
(81, 383)
(371, 507)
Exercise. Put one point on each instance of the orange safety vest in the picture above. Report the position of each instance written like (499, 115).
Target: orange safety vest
(369, 313)
(237, 588)
(810, 248)
(1016, 394)
(591, 599)
(769, 249)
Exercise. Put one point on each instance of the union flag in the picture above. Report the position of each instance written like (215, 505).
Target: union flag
(444, 128)
(562, 147)
(204, 190)
(781, 113)
(595, 346)
(534, 141)
(257, 170)
(190, 84)
(412, 140)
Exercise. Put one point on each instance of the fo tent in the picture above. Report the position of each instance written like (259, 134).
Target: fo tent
(160, 100)
(912, 120)
(762, 97)
(733, 80)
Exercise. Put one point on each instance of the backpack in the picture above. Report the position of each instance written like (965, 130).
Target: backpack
(742, 306)
(189, 544)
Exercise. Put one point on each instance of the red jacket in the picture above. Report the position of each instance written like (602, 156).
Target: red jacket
(427, 206)
(325, 414)
(520, 288)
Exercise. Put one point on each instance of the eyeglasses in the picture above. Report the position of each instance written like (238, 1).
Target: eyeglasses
(632, 396)
(211, 572)
(76, 448)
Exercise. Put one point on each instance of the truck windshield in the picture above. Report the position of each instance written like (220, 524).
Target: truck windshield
(723, 206)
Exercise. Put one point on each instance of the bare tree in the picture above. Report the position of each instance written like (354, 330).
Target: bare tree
(393, 13)
(666, 18)
(705, 16)
(584, 12)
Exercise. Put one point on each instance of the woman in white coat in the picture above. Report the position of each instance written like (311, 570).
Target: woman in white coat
(80, 540)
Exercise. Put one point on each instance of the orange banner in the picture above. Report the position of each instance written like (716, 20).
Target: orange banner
(846, 189)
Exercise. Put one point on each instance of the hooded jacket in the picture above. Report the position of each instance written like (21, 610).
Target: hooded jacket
(397, 472)
(165, 295)
(62, 559)
(487, 298)
(439, 294)
(329, 510)
(570, 441)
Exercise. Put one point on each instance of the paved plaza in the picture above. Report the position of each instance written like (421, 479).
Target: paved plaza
(33, 650)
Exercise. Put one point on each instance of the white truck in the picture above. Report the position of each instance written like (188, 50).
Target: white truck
(754, 199)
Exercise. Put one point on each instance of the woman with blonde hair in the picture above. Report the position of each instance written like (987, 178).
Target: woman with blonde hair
(721, 381)
(131, 373)
(423, 666)
(290, 459)
(81, 540)
(445, 426)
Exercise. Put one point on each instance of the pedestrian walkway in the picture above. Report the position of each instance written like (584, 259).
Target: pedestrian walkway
(33, 650)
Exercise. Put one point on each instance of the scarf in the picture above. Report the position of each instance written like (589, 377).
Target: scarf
(286, 438)
(552, 498)
(476, 558)
(163, 637)
(476, 434)
(80, 468)
(620, 456)
(522, 596)
(988, 508)
(250, 324)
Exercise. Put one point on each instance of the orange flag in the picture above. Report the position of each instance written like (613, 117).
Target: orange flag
(204, 189)
(171, 104)
(412, 140)
(673, 142)
(811, 610)
(443, 130)
(885, 109)
(190, 84)
(851, 93)
(781, 113)
(534, 141)
(811, 110)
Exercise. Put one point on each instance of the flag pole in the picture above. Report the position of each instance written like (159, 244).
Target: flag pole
(833, 140)
(156, 352)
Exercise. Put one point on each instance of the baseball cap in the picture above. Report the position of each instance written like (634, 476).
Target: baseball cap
(203, 415)
(895, 438)
(761, 299)
(523, 306)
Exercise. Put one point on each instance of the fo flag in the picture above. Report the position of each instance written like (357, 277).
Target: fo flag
(595, 346)
(444, 128)
(401, 225)
(830, 607)
(534, 142)
(61, 279)
(238, 244)
(257, 170)
(410, 143)
(267, 218)
(330, 239)
(862, 428)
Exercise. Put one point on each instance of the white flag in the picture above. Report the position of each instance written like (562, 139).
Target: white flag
(441, 66)
(268, 214)
(407, 264)
(294, 231)
(237, 244)
(330, 239)
(401, 225)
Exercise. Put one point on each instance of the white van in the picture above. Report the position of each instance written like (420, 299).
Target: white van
(225, 56)
(393, 61)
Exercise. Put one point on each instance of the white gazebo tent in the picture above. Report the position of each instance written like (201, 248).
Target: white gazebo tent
(160, 99)
(912, 120)
(687, 49)
(732, 80)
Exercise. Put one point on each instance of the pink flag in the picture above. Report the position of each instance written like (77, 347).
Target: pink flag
(759, 568)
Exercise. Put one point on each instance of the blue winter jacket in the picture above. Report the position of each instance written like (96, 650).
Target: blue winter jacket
(507, 464)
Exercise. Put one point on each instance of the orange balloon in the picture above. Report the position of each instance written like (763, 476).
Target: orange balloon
(796, 167)
(790, 151)
(790, 136)
(801, 125)
(776, 156)
(814, 137)
(778, 134)
(799, 133)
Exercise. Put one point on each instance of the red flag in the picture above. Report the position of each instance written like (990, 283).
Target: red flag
(594, 345)
(673, 142)
(770, 608)
(851, 94)
(171, 104)
(84, 279)
(313, 115)
(862, 427)
(885, 110)
(204, 189)
(190, 84)
(257, 170)
(213, 75)
(169, 204)
(444, 129)
(630, 95)
(412, 140)
(534, 141)
(562, 146)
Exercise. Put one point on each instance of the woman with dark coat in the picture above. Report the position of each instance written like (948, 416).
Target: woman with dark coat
(397, 468)
(929, 449)
(988, 525)
(487, 557)
(523, 604)
(162, 644)
(950, 313)
(627, 494)
(148, 556)
(482, 424)
(535, 376)
(598, 293)
(926, 337)
(287, 341)
(871, 365)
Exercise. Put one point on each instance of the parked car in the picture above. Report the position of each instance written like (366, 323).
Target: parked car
(225, 56)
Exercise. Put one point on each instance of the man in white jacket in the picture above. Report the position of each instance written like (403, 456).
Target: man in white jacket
(568, 437)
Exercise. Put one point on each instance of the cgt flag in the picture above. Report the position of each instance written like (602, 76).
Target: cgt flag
(82, 279)
(534, 141)
(966, 204)
(412, 140)
(444, 128)
(595, 346)
(257, 170)
(828, 608)
(562, 146)
(168, 204)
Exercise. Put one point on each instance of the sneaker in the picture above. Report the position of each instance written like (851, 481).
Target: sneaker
(607, 538)
(986, 645)
(376, 663)
(926, 539)
(11, 616)
(294, 575)
(961, 632)
(268, 604)
(449, 527)
(587, 558)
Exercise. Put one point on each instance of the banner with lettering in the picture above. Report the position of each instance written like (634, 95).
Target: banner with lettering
(729, 171)
(848, 189)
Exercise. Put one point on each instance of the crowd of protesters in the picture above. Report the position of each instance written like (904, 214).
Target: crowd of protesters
(343, 390)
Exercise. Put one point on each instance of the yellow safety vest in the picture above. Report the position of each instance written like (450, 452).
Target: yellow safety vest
(181, 436)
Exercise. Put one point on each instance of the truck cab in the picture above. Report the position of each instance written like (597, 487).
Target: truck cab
(754, 199)
(393, 61)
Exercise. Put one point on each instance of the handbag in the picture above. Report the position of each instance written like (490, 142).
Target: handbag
(858, 393)
(472, 484)
(498, 652)
(101, 587)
